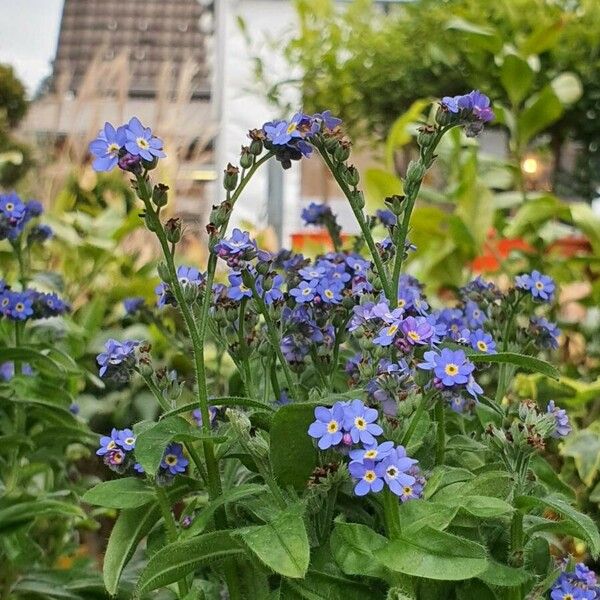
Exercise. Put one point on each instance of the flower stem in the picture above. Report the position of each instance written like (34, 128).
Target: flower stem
(360, 218)
(171, 531)
(390, 514)
(415, 419)
(440, 418)
(244, 351)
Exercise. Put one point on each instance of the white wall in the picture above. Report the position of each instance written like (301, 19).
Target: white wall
(240, 107)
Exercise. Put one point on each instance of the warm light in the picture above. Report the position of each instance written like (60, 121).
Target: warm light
(530, 166)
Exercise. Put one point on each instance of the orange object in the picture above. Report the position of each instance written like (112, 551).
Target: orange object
(314, 241)
(495, 250)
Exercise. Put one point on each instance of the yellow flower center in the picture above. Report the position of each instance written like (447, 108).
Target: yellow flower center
(243, 288)
(5, 301)
(568, 597)
(291, 127)
(142, 143)
(392, 472)
(360, 423)
(369, 476)
(401, 302)
(370, 454)
(407, 490)
(113, 149)
(118, 457)
(329, 294)
(111, 445)
(130, 441)
(171, 459)
(332, 426)
(451, 369)
(392, 329)
(482, 346)
(306, 291)
(413, 335)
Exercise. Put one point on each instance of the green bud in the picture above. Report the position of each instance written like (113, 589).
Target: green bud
(246, 158)
(173, 230)
(159, 194)
(163, 272)
(150, 164)
(230, 177)
(444, 117)
(247, 278)
(190, 293)
(426, 135)
(150, 222)
(255, 147)
(395, 204)
(341, 153)
(331, 144)
(265, 349)
(351, 176)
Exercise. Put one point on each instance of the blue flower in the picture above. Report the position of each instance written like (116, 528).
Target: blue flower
(387, 217)
(141, 142)
(328, 427)
(116, 354)
(212, 415)
(305, 292)
(545, 333)
(359, 421)
(482, 341)
(106, 147)
(7, 370)
(330, 291)
(108, 442)
(387, 335)
(416, 330)
(474, 315)
(238, 243)
(40, 234)
(373, 452)
(126, 439)
(310, 273)
(237, 290)
(396, 466)
(369, 475)
(329, 121)
(540, 286)
(173, 460)
(451, 367)
(561, 420)
(316, 214)
(132, 305)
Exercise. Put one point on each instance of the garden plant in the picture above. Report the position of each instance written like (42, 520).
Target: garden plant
(370, 444)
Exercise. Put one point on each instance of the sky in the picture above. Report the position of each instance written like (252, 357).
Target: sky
(28, 37)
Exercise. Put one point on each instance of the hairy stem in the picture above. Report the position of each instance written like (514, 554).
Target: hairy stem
(440, 418)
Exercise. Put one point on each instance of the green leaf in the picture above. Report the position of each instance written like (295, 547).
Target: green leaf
(542, 38)
(418, 514)
(151, 443)
(484, 37)
(293, 455)
(128, 492)
(176, 560)
(233, 495)
(503, 576)
(222, 401)
(26, 512)
(434, 554)
(516, 77)
(327, 586)
(541, 111)
(129, 529)
(353, 545)
(480, 506)
(529, 363)
(586, 527)
(281, 544)
(443, 476)
(37, 360)
(584, 448)
(380, 184)
(547, 475)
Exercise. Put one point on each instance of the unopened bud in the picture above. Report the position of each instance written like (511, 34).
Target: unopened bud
(395, 203)
(341, 152)
(163, 272)
(230, 177)
(351, 176)
(246, 158)
(426, 135)
(159, 194)
(173, 230)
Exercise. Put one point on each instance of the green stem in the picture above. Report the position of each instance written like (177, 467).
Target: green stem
(244, 351)
(171, 531)
(318, 367)
(412, 191)
(275, 381)
(188, 446)
(516, 538)
(274, 340)
(415, 419)
(360, 218)
(390, 514)
(440, 418)
(19, 419)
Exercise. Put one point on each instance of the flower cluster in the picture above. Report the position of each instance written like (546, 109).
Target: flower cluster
(579, 584)
(7, 370)
(541, 287)
(471, 110)
(30, 304)
(373, 465)
(561, 420)
(131, 147)
(16, 214)
(290, 139)
(189, 278)
(118, 359)
(133, 305)
(316, 214)
(118, 452)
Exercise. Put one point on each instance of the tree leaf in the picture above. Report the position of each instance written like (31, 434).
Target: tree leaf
(542, 110)
(353, 545)
(434, 554)
(129, 492)
(281, 544)
(176, 560)
(293, 454)
(151, 443)
(588, 531)
(129, 529)
(516, 77)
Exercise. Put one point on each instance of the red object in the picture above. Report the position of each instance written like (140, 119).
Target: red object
(314, 240)
(495, 250)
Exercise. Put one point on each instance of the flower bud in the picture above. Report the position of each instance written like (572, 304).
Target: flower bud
(150, 164)
(132, 164)
(395, 203)
(173, 230)
(351, 176)
(150, 223)
(159, 194)
(256, 145)
(443, 116)
(230, 177)
(163, 272)
(246, 158)
(248, 279)
(426, 135)
(341, 152)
